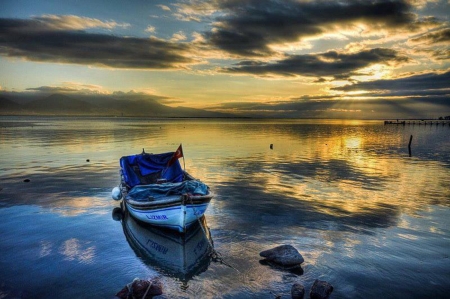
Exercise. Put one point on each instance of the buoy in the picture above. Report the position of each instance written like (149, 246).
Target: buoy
(116, 194)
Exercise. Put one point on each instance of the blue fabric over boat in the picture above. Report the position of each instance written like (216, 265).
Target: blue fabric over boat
(146, 168)
(156, 191)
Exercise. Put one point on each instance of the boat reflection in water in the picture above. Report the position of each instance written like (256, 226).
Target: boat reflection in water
(181, 256)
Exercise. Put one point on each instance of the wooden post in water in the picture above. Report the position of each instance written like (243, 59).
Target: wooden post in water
(409, 145)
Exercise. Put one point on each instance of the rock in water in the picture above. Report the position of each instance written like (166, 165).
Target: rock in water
(140, 288)
(284, 255)
(320, 290)
(297, 291)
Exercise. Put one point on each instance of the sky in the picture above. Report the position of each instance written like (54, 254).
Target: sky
(291, 58)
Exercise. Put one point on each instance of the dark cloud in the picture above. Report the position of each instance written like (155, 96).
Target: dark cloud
(331, 63)
(441, 54)
(52, 89)
(40, 41)
(409, 85)
(430, 38)
(248, 27)
(435, 44)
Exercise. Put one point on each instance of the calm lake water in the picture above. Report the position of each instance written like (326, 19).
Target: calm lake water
(368, 218)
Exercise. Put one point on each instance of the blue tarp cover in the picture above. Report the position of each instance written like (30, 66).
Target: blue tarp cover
(156, 191)
(136, 168)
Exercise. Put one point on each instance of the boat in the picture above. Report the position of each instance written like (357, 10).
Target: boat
(156, 190)
(181, 256)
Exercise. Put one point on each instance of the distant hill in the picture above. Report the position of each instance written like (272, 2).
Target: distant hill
(60, 104)
(8, 105)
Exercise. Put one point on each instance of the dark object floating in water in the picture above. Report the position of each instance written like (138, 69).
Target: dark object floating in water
(140, 288)
(87, 160)
(26, 180)
(271, 146)
(284, 255)
(297, 291)
(320, 290)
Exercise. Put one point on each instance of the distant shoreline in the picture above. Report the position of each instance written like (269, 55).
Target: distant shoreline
(214, 117)
(217, 117)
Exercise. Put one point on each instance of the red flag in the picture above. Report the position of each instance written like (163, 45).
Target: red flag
(177, 155)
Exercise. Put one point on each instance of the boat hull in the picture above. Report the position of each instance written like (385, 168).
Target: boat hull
(176, 213)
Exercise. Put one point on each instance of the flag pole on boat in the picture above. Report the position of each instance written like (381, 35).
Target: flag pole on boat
(182, 154)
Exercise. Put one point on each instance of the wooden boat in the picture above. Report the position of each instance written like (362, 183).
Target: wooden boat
(156, 190)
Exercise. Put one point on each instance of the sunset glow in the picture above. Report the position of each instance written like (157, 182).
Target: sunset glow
(280, 59)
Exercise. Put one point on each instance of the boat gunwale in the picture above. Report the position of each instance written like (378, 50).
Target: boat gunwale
(175, 201)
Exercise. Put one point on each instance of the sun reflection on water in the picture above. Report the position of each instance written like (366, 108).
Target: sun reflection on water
(75, 250)
(345, 193)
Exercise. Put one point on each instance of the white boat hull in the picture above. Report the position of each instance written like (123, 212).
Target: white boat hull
(176, 213)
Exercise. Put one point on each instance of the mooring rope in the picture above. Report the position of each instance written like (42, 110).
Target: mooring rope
(215, 255)
(148, 288)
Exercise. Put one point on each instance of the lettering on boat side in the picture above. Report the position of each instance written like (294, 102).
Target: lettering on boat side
(157, 217)
(157, 247)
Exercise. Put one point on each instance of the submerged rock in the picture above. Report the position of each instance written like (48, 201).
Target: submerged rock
(140, 288)
(284, 255)
(297, 291)
(320, 290)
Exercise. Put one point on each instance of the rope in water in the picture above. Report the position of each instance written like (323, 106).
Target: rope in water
(215, 255)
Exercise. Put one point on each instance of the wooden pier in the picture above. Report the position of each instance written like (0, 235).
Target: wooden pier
(429, 122)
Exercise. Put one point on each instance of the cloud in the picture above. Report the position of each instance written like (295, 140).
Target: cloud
(171, 102)
(150, 29)
(434, 37)
(52, 89)
(251, 27)
(195, 10)
(35, 40)
(328, 64)
(410, 85)
(434, 44)
(72, 88)
(423, 3)
(72, 22)
(164, 7)
(179, 36)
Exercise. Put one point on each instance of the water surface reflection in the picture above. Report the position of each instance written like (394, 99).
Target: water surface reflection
(366, 217)
(181, 256)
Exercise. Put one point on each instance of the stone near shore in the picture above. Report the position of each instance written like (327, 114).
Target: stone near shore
(320, 290)
(284, 255)
(140, 288)
(297, 291)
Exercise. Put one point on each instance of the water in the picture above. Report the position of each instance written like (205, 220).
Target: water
(368, 218)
